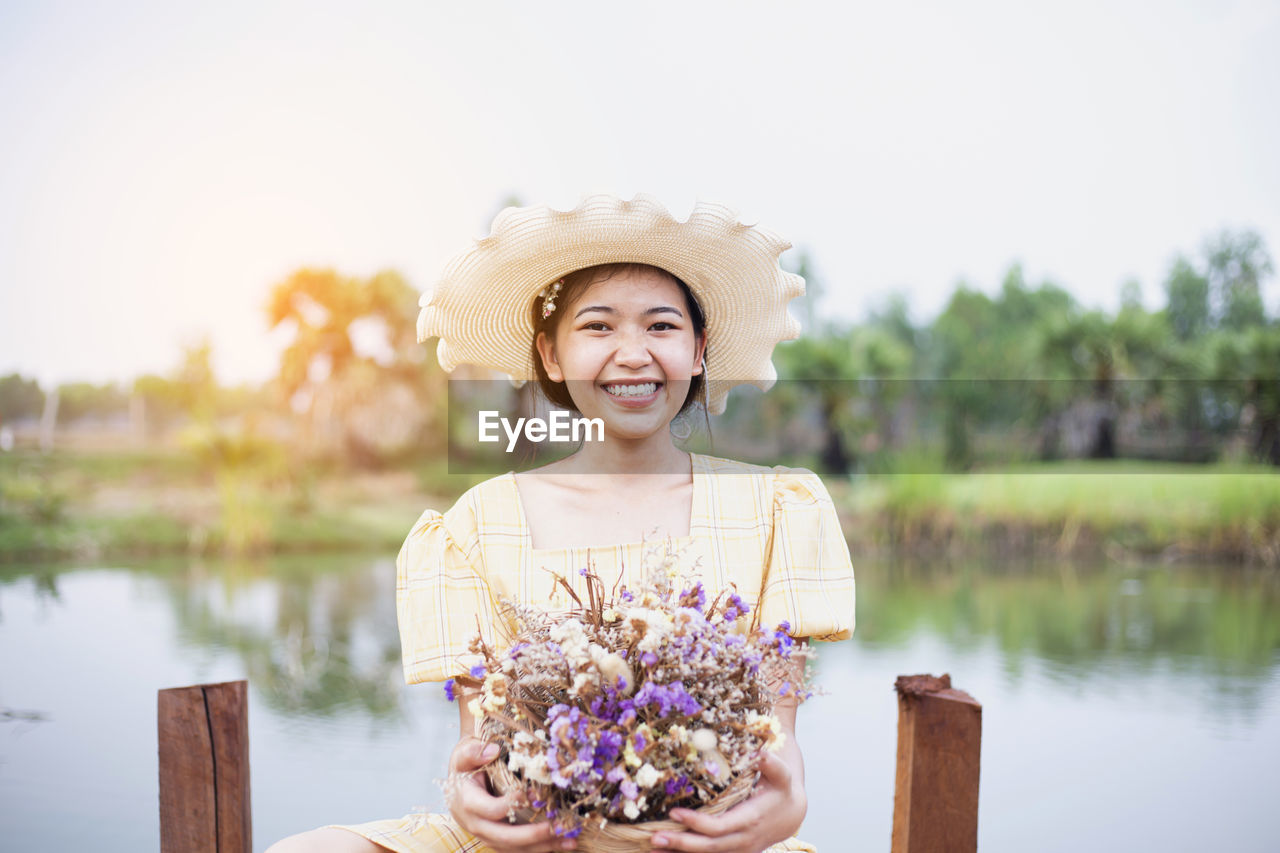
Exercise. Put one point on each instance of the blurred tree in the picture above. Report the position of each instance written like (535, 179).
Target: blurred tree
(1130, 294)
(823, 364)
(82, 400)
(20, 398)
(894, 317)
(161, 401)
(964, 353)
(881, 361)
(1237, 264)
(1247, 367)
(1187, 294)
(987, 354)
(354, 364)
(195, 385)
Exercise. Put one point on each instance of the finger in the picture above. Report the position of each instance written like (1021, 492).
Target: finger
(692, 842)
(737, 819)
(775, 770)
(476, 800)
(471, 754)
(528, 838)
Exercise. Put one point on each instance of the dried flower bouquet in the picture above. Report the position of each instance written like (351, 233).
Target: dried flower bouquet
(631, 704)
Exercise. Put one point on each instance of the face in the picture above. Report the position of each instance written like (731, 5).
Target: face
(626, 351)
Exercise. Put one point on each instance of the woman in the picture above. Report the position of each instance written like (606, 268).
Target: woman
(631, 317)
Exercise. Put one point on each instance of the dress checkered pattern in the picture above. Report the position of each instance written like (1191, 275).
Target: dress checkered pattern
(770, 533)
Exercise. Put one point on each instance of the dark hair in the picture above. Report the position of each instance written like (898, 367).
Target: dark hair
(576, 282)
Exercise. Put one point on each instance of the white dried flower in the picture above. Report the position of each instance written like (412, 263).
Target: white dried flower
(704, 740)
(648, 776)
(612, 668)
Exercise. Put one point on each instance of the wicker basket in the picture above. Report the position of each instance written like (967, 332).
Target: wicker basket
(616, 837)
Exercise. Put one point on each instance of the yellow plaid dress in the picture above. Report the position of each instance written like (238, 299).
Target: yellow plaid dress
(770, 532)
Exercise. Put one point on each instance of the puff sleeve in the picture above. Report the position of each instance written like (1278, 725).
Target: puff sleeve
(809, 582)
(441, 594)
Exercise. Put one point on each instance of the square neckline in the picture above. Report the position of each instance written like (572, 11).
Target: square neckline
(696, 469)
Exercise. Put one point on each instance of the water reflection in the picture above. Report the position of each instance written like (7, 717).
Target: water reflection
(1174, 667)
(1086, 622)
(316, 635)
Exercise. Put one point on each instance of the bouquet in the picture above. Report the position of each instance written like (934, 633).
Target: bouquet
(632, 703)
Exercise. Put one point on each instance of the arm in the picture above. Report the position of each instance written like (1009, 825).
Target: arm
(475, 807)
(772, 813)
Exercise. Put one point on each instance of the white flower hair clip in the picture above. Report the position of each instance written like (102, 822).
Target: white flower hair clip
(548, 295)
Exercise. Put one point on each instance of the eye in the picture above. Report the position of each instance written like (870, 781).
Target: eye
(596, 326)
(662, 327)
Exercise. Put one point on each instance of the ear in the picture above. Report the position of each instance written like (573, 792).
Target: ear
(699, 352)
(547, 352)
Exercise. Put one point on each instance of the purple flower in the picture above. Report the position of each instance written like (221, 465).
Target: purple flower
(678, 786)
(582, 572)
(649, 659)
(668, 697)
(478, 671)
(695, 597)
(629, 790)
(607, 751)
(450, 690)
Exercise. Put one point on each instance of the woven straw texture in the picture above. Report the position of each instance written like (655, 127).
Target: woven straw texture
(480, 308)
(619, 837)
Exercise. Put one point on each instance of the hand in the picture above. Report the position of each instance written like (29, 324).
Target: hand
(772, 813)
(482, 814)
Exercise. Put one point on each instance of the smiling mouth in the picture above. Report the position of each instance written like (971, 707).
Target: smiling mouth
(640, 389)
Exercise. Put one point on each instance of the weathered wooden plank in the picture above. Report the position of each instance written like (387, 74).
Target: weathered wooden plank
(188, 802)
(935, 803)
(228, 706)
(204, 769)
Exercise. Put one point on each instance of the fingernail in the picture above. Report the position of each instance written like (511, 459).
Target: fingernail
(490, 752)
(659, 841)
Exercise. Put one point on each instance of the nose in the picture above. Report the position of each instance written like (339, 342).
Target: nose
(632, 351)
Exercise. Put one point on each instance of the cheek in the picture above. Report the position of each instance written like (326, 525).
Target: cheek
(681, 356)
(582, 361)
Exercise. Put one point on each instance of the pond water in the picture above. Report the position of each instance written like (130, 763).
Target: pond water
(1124, 707)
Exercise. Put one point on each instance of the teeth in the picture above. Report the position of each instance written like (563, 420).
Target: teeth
(642, 390)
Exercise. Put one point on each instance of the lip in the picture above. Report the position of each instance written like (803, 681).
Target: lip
(633, 402)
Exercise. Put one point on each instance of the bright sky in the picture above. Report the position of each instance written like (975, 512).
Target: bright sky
(163, 164)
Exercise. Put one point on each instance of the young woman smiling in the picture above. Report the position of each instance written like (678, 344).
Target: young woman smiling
(624, 314)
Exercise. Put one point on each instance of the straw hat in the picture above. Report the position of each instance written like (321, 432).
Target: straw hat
(480, 308)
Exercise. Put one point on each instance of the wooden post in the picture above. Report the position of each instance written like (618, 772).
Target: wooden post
(204, 769)
(935, 801)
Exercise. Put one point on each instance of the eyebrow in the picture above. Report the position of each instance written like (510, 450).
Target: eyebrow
(605, 309)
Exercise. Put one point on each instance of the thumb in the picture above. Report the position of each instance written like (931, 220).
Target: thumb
(774, 770)
(473, 753)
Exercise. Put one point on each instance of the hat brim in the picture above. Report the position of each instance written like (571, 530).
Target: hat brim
(480, 309)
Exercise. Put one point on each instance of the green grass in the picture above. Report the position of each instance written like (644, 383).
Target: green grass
(1222, 510)
(164, 503)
